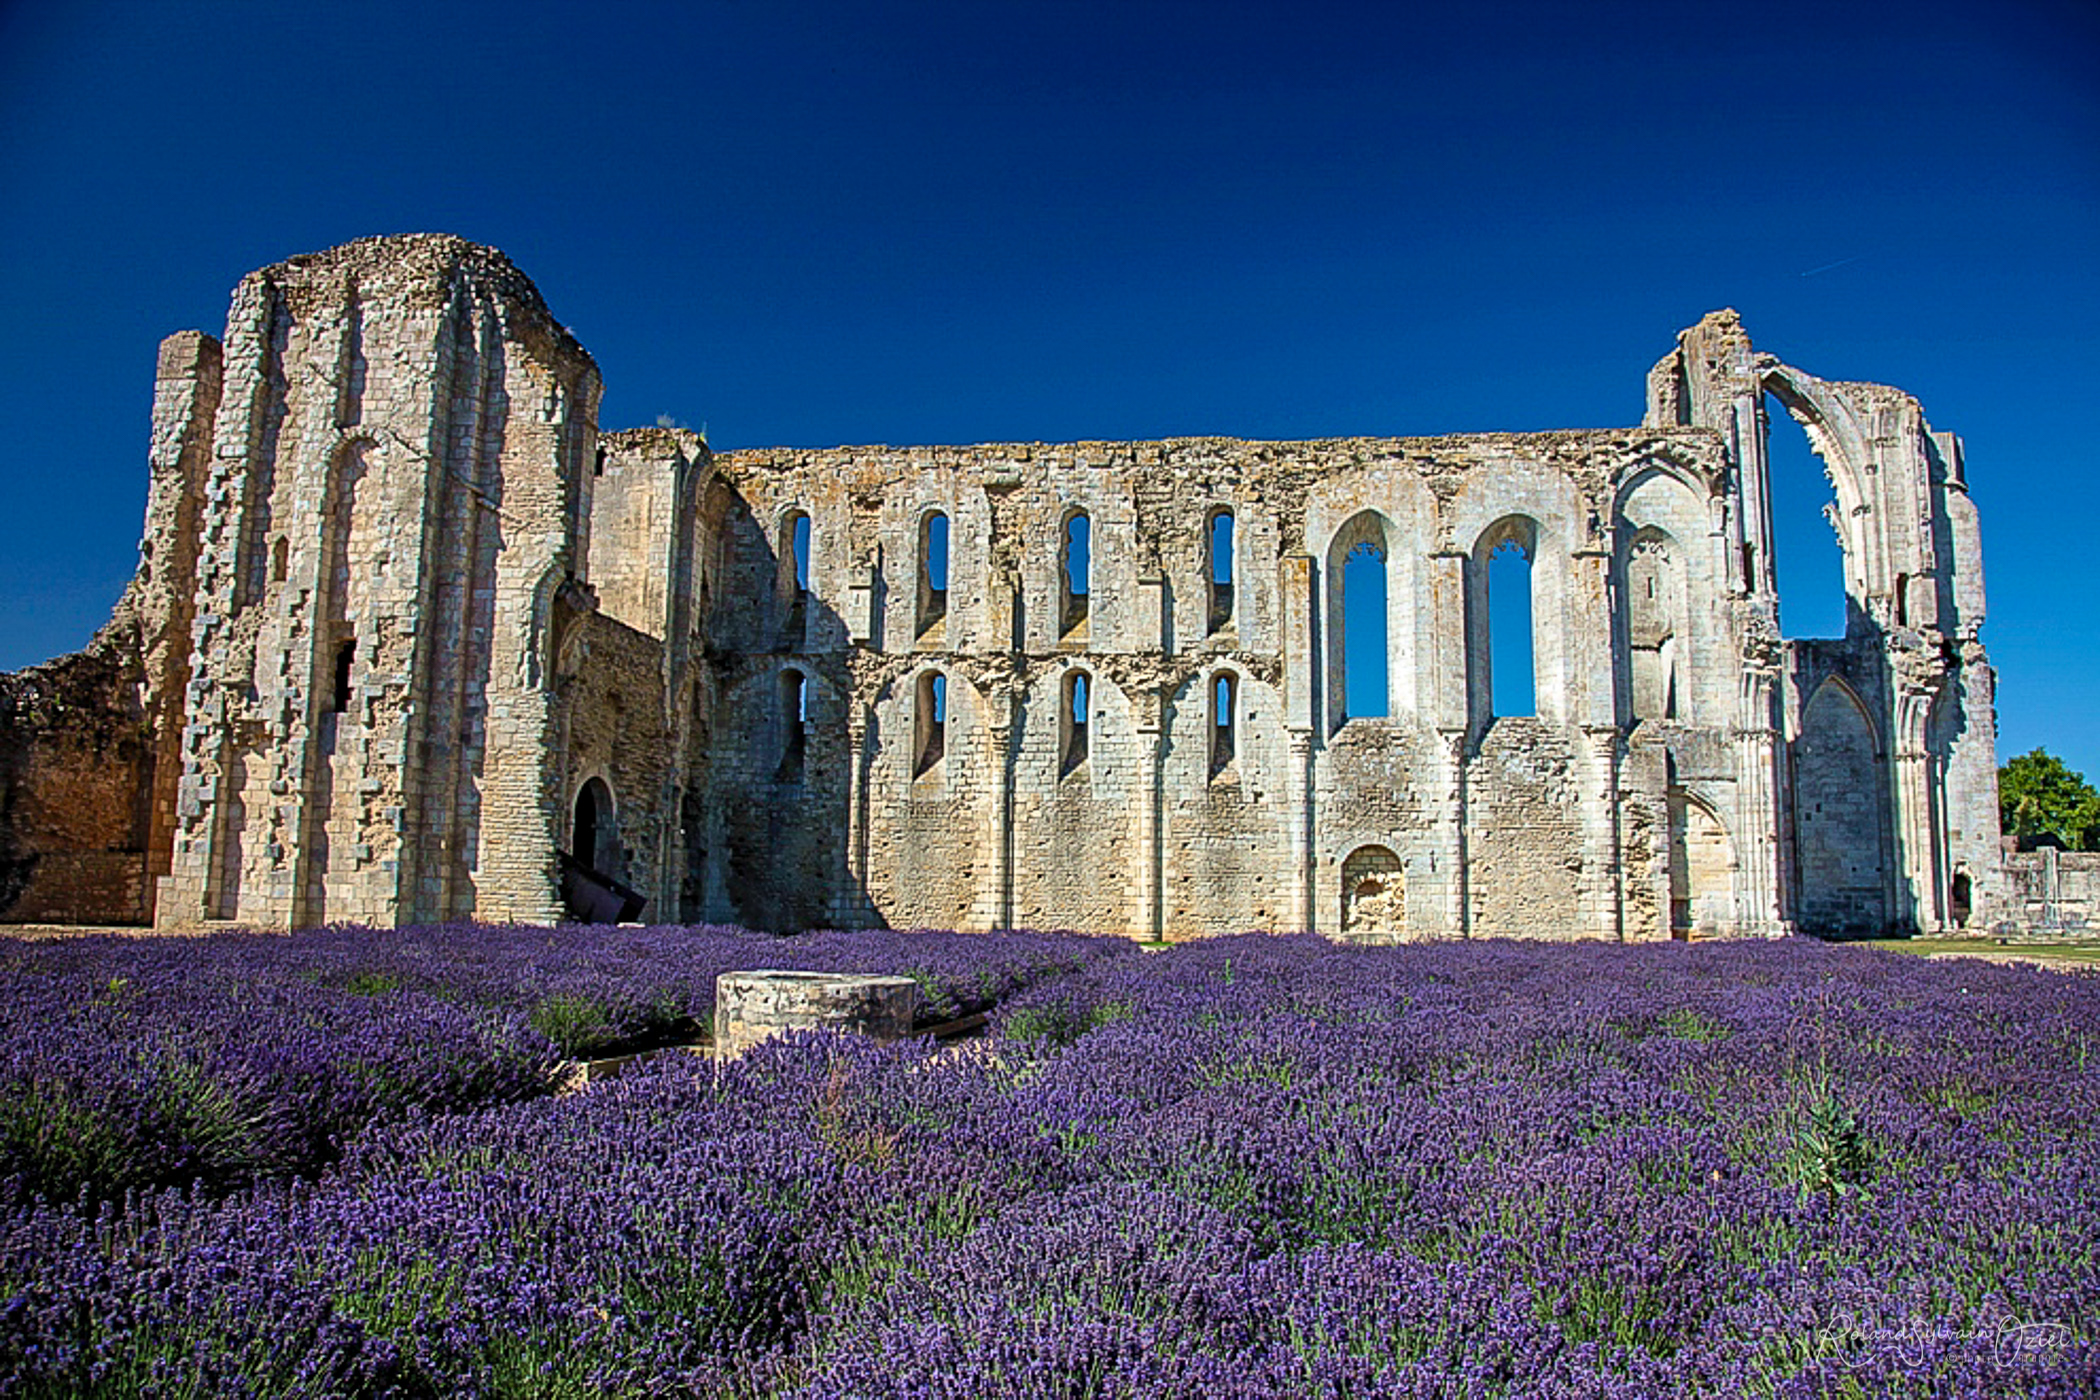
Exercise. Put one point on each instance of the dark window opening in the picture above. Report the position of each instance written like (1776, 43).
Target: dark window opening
(1364, 647)
(1962, 899)
(931, 719)
(1224, 745)
(1075, 563)
(345, 657)
(1074, 748)
(933, 571)
(1221, 527)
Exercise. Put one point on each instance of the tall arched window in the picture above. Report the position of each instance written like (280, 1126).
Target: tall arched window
(929, 722)
(1808, 562)
(1364, 645)
(1500, 649)
(933, 571)
(794, 723)
(1219, 537)
(1224, 708)
(1074, 564)
(1072, 722)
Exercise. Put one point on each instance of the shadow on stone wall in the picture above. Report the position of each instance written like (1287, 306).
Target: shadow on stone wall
(76, 783)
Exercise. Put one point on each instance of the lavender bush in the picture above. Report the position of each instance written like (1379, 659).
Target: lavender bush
(1253, 1167)
(129, 1064)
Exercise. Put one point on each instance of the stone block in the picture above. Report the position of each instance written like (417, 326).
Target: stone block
(754, 1006)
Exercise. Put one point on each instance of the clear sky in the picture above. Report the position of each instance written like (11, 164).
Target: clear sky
(806, 222)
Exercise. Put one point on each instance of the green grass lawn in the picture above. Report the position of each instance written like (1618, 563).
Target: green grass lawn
(1984, 947)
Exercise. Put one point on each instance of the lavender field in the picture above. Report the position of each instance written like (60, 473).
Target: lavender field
(1247, 1167)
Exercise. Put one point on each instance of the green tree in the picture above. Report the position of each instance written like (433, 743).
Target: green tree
(2041, 802)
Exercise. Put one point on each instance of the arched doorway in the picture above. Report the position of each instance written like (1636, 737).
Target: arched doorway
(594, 842)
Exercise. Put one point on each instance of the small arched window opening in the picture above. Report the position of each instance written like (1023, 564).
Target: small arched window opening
(1224, 707)
(1074, 564)
(1364, 643)
(1072, 716)
(930, 722)
(1219, 537)
(1962, 899)
(345, 658)
(794, 724)
(933, 571)
(593, 837)
(1903, 600)
(1511, 658)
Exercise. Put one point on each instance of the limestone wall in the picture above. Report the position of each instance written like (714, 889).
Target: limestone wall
(400, 607)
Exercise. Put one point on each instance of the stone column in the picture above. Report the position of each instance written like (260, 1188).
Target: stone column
(1148, 914)
(1304, 888)
(1294, 586)
(1916, 847)
(1759, 873)
(1451, 827)
(1602, 886)
(850, 905)
(1003, 711)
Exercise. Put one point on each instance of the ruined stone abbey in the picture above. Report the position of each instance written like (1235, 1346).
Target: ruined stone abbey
(411, 639)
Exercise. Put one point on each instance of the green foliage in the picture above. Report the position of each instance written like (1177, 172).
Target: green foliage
(1829, 1151)
(1054, 1024)
(574, 1023)
(2041, 802)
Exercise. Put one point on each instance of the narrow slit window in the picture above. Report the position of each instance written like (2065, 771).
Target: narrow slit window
(933, 571)
(1510, 651)
(1224, 697)
(798, 542)
(1221, 528)
(345, 658)
(932, 722)
(794, 582)
(1075, 726)
(1075, 564)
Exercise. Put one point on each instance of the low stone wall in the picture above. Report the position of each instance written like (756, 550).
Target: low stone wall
(2052, 893)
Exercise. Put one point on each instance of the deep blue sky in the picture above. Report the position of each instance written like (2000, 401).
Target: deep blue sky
(816, 223)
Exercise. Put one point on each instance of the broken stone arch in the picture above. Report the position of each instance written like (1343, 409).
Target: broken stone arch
(1834, 435)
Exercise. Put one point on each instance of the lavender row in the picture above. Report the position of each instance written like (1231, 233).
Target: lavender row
(1252, 1167)
(134, 1064)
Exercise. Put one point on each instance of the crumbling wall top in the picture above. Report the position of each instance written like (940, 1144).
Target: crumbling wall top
(418, 270)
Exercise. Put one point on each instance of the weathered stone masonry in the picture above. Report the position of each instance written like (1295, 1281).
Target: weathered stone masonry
(408, 628)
